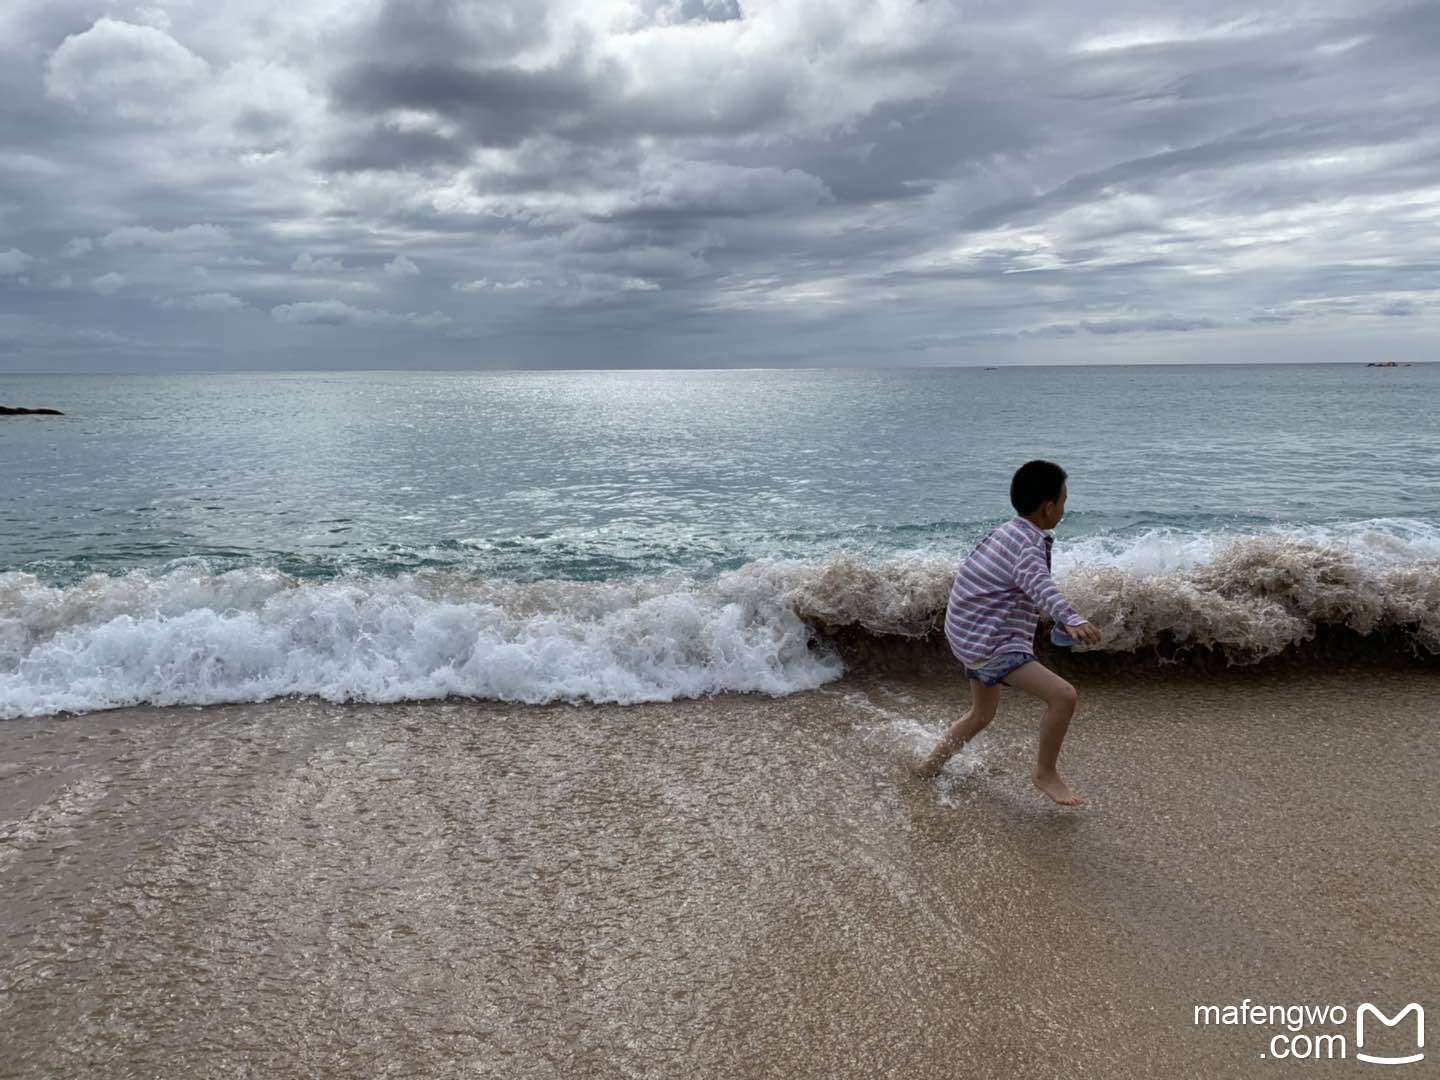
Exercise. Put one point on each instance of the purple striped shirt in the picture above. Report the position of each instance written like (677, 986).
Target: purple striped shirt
(999, 592)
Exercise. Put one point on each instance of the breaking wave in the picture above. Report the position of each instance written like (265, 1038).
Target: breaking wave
(772, 626)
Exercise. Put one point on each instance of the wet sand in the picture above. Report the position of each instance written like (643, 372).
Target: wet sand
(733, 887)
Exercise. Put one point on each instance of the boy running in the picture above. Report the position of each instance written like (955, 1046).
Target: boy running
(990, 620)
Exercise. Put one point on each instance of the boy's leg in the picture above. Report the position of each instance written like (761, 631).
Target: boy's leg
(1060, 698)
(984, 700)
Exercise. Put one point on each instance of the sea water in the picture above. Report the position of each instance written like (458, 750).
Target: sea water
(646, 535)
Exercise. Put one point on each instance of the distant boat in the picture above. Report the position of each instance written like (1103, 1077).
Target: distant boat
(1387, 363)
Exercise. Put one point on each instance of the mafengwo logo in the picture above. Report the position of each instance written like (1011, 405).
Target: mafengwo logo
(1320, 1032)
(1370, 1010)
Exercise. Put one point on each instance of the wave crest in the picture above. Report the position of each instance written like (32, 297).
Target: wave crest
(190, 637)
(251, 635)
(1254, 599)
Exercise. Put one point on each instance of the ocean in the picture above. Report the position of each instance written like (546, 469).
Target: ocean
(644, 536)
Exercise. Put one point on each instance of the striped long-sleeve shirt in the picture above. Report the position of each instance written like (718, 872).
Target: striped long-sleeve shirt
(999, 592)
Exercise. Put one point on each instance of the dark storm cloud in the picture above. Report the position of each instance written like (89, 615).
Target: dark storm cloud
(902, 150)
(383, 148)
(1155, 322)
(706, 10)
(276, 182)
(496, 107)
(439, 31)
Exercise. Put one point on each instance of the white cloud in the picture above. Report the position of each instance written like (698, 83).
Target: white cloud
(485, 285)
(679, 186)
(154, 16)
(635, 284)
(260, 103)
(311, 264)
(14, 261)
(574, 290)
(106, 284)
(80, 245)
(338, 313)
(400, 266)
(186, 238)
(1143, 35)
(568, 290)
(210, 301)
(137, 72)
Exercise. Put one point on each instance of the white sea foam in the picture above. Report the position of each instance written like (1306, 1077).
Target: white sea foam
(251, 635)
(190, 637)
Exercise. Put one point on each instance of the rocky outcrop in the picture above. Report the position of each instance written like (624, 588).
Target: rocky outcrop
(6, 410)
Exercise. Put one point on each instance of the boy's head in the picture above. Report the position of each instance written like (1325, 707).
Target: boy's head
(1037, 492)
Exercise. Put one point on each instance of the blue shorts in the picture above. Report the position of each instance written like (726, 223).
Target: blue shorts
(996, 668)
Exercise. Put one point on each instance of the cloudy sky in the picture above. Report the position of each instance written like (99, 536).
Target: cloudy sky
(675, 183)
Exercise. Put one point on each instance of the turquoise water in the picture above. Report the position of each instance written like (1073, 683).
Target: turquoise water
(594, 475)
(639, 535)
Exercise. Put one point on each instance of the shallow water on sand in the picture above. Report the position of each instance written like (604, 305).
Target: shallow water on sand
(738, 886)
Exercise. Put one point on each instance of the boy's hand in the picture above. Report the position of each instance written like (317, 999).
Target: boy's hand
(1085, 633)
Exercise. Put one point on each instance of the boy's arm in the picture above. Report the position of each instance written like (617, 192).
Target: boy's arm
(1035, 581)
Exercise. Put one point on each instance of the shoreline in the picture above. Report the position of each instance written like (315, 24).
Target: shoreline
(737, 886)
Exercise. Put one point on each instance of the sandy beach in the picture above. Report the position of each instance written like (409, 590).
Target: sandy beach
(738, 886)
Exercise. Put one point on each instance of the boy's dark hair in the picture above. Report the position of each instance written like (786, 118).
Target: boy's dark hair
(1035, 482)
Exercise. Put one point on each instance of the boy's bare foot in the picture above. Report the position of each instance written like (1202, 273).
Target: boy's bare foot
(1051, 784)
(927, 769)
